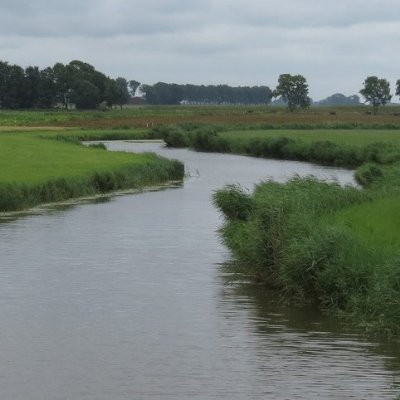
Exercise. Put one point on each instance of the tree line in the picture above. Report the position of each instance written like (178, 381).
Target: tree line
(76, 83)
(81, 85)
(166, 93)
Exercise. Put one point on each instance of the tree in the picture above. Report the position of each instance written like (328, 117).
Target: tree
(85, 95)
(398, 87)
(123, 93)
(12, 85)
(376, 92)
(63, 81)
(47, 88)
(133, 85)
(339, 99)
(112, 93)
(31, 95)
(294, 91)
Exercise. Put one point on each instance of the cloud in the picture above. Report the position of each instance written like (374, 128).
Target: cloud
(335, 45)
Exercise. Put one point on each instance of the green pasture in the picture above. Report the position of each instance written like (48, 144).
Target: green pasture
(376, 223)
(352, 137)
(27, 159)
(97, 134)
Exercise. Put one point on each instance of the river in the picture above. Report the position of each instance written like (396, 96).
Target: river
(124, 298)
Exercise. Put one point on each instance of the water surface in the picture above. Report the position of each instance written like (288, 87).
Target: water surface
(125, 299)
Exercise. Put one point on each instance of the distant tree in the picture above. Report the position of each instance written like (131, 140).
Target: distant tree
(339, 99)
(112, 93)
(64, 82)
(398, 87)
(31, 89)
(12, 85)
(133, 85)
(123, 93)
(85, 95)
(47, 94)
(376, 92)
(170, 93)
(163, 93)
(294, 91)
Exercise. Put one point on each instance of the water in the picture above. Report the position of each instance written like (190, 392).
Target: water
(124, 299)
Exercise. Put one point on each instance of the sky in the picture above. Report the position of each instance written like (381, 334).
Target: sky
(335, 45)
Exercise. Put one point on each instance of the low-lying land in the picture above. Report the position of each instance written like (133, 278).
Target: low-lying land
(233, 116)
(310, 240)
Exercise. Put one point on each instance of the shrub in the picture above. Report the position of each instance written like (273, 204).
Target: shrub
(233, 202)
(368, 173)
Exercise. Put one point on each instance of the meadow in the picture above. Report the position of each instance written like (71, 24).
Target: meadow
(228, 116)
(40, 167)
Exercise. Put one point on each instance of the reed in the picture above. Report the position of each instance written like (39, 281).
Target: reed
(320, 243)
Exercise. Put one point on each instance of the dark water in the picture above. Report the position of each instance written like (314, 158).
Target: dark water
(124, 299)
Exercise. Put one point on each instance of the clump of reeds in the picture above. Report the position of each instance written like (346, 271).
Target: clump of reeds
(287, 236)
(15, 197)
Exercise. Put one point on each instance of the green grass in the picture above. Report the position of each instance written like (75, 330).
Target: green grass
(31, 160)
(376, 222)
(47, 166)
(97, 134)
(314, 241)
(317, 242)
(352, 137)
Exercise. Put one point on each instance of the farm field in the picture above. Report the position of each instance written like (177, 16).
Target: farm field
(230, 116)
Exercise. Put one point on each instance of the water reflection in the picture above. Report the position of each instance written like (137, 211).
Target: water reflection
(124, 299)
(311, 354)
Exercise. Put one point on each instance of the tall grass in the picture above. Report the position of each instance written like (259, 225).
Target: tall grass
(287, 236)
(337, 152)
(18, 196)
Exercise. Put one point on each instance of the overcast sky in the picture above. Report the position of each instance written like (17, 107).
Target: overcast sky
(334, 44)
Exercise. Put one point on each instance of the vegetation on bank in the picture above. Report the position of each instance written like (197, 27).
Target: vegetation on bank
(345, 148)
(319, 242)
(35, 170)
(314, 241)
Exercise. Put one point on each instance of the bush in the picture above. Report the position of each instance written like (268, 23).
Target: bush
(233, 202)
(286, 235)
(368, 173)
(209, 141)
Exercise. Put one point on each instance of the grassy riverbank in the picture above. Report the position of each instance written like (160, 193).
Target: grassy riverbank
(35, 169)
(318, 242)
(346, 148)
(310, 240)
